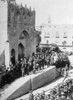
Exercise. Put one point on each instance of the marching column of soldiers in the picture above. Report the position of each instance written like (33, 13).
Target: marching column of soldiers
(33, 63)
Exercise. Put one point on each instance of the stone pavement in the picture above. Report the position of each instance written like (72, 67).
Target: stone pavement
(45, 88)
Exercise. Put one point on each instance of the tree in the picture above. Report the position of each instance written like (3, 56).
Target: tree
(62, 61)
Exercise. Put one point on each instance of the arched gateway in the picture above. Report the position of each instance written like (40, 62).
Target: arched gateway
(21, 51)
(23, 44)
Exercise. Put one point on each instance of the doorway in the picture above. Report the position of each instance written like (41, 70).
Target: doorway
(21, 51)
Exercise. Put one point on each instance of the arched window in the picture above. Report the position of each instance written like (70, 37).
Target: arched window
(23, 35)
(12, 52)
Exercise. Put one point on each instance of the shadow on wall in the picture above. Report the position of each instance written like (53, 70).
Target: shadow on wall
(2, 58)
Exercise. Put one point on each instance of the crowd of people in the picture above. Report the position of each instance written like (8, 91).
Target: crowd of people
(63, 91)
(25, 66)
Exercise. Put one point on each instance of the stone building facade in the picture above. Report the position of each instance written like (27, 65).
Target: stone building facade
(21, 32)
(61, 35)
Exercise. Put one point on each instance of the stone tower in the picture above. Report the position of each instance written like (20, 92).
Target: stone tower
(22, 36)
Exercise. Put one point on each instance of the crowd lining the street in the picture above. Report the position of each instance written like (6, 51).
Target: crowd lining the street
(37, 62)
(24, 66)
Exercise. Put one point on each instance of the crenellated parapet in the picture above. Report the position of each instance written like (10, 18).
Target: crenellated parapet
(17, 14)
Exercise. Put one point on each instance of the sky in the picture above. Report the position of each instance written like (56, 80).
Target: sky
(60, 11)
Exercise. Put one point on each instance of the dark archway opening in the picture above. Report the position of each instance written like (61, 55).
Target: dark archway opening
(21, 51)
(12, 57)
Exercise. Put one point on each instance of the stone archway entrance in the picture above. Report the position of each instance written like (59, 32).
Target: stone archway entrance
(23, 47)
(21, 51)
(12, 56)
